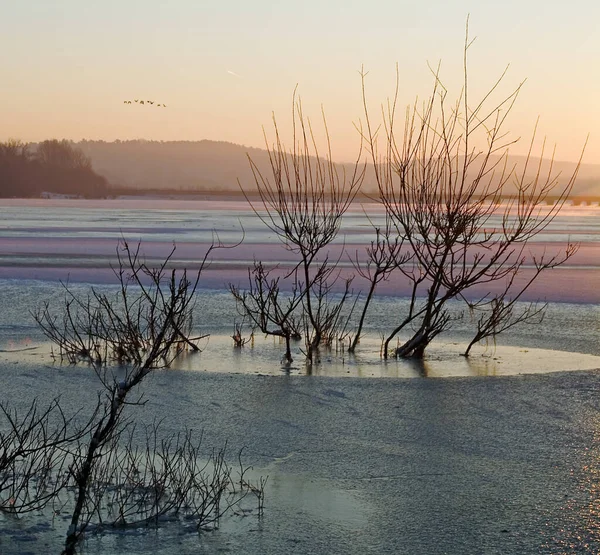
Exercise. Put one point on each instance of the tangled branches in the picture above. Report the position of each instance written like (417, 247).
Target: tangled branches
(102, 473)
(149, 318)
(33, 459)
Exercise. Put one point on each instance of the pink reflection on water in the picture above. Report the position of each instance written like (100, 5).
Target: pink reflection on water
(88, 258)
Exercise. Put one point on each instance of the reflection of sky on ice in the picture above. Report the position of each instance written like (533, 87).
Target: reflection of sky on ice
(196, 221)
(50, 239)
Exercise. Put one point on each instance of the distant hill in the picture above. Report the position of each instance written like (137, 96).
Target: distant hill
(175, 165)
(217, 166)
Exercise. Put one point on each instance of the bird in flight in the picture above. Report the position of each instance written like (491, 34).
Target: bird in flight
(151, 102)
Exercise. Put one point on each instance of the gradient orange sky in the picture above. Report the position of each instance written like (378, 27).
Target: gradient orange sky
(223, 67)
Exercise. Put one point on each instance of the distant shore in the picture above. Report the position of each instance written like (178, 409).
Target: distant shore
(229, 195)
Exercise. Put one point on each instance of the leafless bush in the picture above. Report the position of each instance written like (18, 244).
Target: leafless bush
(116, 479)
(164, 480)
(149, 317)
(154, 322)
(384, 255)
(238, 335)
(465, 215)
(329, 323)
(271, 311)
(256, 488)
(111, 482)
(303, 201)
(502, 313)
(33, 460)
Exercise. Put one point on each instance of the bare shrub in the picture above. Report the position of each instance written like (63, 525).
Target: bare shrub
(163, 480)
(33, 461)
(303, 201)
(384, 255)
(466, 216)
(150, 318)
(271, 311)
(155, 324)
(109, 481)
(239, 340)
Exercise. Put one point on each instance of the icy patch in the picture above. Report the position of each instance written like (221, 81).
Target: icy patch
(263, 357)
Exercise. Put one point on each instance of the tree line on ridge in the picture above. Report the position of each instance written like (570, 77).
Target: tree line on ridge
(53, 166)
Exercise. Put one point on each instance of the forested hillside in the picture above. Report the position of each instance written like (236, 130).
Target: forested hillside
(51, 166)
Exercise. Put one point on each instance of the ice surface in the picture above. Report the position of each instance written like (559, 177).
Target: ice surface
(401, 464)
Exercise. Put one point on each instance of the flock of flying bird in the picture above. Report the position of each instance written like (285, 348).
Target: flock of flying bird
(145, 102)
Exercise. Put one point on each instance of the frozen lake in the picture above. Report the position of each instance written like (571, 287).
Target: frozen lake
(400, 464)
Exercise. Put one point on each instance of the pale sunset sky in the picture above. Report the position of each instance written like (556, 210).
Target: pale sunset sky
(223, 67)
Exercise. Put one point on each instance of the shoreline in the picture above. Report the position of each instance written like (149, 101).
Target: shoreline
(218, 199)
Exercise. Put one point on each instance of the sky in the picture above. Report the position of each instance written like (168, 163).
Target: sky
(223, 68)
